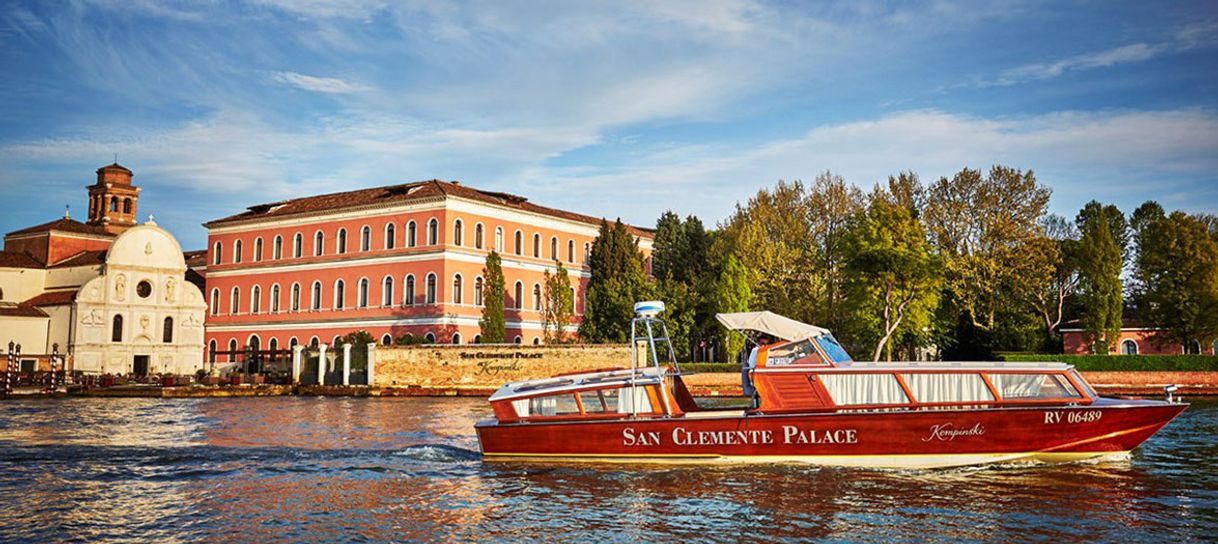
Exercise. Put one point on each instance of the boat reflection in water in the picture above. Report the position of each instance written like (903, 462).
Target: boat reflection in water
(813, 404)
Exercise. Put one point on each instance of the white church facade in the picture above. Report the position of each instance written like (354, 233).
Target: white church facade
(109, 295)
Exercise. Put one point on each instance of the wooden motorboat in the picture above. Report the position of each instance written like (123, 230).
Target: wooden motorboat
(811, 403)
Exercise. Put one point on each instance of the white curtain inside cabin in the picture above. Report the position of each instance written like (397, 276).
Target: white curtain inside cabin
(856, 389)
(947, 387)
(1017, 386)
(627, 402)
(549, 405)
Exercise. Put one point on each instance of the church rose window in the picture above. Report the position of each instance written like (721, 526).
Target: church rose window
(143, 289)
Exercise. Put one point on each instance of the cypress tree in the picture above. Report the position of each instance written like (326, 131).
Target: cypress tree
(617, 282)
(1100, 263)
(494, 328)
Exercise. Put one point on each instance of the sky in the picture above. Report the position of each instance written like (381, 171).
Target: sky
(616, 109)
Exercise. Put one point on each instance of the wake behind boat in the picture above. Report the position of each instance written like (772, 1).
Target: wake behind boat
(813, 404)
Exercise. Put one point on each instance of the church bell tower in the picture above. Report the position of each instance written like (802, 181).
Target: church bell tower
(113, 199)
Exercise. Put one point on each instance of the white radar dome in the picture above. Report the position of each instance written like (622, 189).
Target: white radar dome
(650, 308)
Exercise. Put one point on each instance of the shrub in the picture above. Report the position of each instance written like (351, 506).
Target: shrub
(1100, 363)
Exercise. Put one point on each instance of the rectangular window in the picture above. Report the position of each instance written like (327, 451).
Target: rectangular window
(858, 389)
(601, 401)
(1033, 386)
(550, 405)
(948, 387)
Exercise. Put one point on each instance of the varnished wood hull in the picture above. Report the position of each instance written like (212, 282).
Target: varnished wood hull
(898, 439)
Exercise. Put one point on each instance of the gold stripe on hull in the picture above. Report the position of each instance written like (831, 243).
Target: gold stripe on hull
(860, 461)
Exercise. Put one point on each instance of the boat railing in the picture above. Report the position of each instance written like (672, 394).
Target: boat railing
(643, 331)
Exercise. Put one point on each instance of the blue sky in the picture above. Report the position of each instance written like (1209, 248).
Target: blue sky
(609, 108)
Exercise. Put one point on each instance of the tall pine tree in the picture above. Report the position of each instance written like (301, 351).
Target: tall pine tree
(1101, 258)
(494, 328)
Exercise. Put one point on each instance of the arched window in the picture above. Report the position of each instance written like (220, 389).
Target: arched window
(517, 339)
(433, 232)
(114, 203)
(519, 292)
(390, 236)
(277, 248)
(365, 238)
(478, 291)
(215, 301)
(587, 252)
(499, 239)
(295, 297)
(275, 298)
(554, 248)
(167, 330)
(457, 299)
(298, 245)
(431, 288)
(232, 349)
(255, 299)
(126, 205)
(339, 292)
(1192, 348)
(387, 291)
(315, 303)
(315, 341)
(116, 331)
(253, 342)
(257, 249)
(570, 251)
(408, 295)
(363, 292)
(411, 234)
(477, 338)
(536, 297)
(211, 351)
(1128, 347)
(518, 243)
(573, 299)
(338, 341)
(292, 342)
(234, 305)
(215, 253)
(478, 236)
(386, 339)
(431, 338)
(536, 245)
(319, 244)
(536, 341)
(340, 245)
(458, 235)
(456, 338)
(273, 345)
(237, 251)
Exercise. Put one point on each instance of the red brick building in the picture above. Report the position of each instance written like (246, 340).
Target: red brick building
(388, 260)
(1135, 339)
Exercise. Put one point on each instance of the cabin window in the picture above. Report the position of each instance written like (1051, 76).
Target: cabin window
(601, 401)
(857, 389)
(948, 387)
(550, 405)
(801, 352)
(1032, 386)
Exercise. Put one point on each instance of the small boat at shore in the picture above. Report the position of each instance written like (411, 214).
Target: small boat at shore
(811, 403)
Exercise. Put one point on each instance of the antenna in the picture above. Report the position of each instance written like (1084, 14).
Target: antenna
(116, 158)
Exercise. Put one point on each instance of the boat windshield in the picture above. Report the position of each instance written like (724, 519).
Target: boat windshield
(832, 348)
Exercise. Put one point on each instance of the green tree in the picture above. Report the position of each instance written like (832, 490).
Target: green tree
(558, 306)
(408, 339)
(1100, 259)
(492, 324)
(893, 276)
(1051, 266)
(732, 295)
(831, 205)
(617, 281)
(359, 338)
(1176, 273)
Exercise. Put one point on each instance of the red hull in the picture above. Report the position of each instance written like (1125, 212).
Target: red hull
(923, 438)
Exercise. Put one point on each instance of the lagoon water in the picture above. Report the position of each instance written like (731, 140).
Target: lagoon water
(372, 470)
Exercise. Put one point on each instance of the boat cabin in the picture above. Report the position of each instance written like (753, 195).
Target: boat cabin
(807, 371)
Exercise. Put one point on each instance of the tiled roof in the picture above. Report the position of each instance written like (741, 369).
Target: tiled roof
(196, 258)
(394, 194)
(64, 225)
(18, 259)
(20, 310)
(52, 298)
(84, 258)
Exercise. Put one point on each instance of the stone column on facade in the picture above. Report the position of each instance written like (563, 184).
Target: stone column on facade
(297, 352)
(371, 361)
(346, 364)
(321, 364)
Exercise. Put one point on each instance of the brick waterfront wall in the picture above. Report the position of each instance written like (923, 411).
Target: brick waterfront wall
(486, 366)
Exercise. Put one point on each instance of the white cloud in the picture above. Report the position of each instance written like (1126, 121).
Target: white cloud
(1136, 52)
(328, 85)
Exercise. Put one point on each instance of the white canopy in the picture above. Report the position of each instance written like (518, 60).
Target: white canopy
(771, 324)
